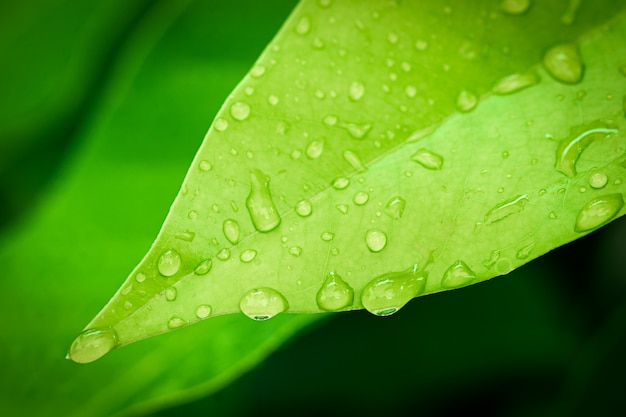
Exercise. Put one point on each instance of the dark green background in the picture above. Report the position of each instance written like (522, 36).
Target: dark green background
(549, 339)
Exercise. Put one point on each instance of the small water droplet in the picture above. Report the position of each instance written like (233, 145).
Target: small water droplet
(185, 235)
(428, 159)
(327, 236)
(193, 215)
(376, 240)
(598, 212)
(335, 294)
(273, 100)
(205, 166)
(170, 294)
(295, 251)
(563, 62)
(388, 293)
(466, 101)
(304, 208)
(524, 252)
(330, 120)
(176, 322)
(203, 311)
(515, 7)
(361, 198)
(395, 207)
(140, 277)
(354, 161)
(92, 344)
(259, 203)
(552, 215)
(169, 263)
(262, 303)
(303, 27)
(203, 267)
(221, 124)
(494, 256)
(421, 45)
(410, 91)
(257, 71)
(356, 91)
(457, 275)
(240, 110)
(571, 147)
(598, 180)
(247, 255)
(231, 230)
(341, 183)
(514, 83)
(505, 209)
(224, 254)
(343, 209)
(334, 251)
(315, 149)
(356, 130)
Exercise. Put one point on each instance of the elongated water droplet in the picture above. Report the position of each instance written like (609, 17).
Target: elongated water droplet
(170, 294)
(572, 10)
(92, 344)
(169, 263)
(457, 275)
(570, 148)
(186, 235)
(493, 259)
(515, 7)
(376, 240)
(354, 161)
(260, 205)
(505, 209)
(428, 159)
(304, 208)
(231, 230)
(388, 293)
(564, 63)
(466, 101)
(524, 252)
(598, 180)
(315, 149)
(203, 311)
(262, 303)
(356, 130)
(240, 110)
(361, 198)
(223, 255)
(334, 294)
(341, 183)
(598, 211)
(258, 70)
(203, 267)
(356, 91)
(514, 83)
(303, 26)
(395, 207)
(176, 322)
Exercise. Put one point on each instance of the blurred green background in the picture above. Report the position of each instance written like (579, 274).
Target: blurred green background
(102, 106)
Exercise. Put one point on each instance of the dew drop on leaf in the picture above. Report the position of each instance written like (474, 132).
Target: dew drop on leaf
(176, 322)
(231, 230)
(343, 209)
(514, 83)
(193, 215)
(356, 91)
(354, 161)
(259, 203)
(341, 183)
(169, 263)
(564, 63)
(327, 236)
(140, 277)
(221, 124)
(203, 311)
(247, 255)
(505, 209)
(356, 130)
(598, 180)
(524, 252)
(92, 344)
(361, 198)
(304, 208)
(515, 7)
(598, 212)
(262, 303)
(315, 149)
(428, 159)
(421, 45)
(466, 101)
(395, 207)
(334, 294)
(240, 110)
(330, 120)
(376, 240)
(273, 100)
(303, 27)
(223, 255)
(205, 166)
(570, 148)
(257, 71)
(170, 294)
(295, 251)
(494, 256)
(203, 267)
(410, 91)
(186, 235)
(388, 293)
(457, 275)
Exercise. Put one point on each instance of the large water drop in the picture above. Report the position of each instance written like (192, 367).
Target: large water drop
(388, 293)
(457, 275)
(259, 203)
(335, 294)
(169, 263)
(564, 63)
(92, 344)
(598, 212)
(262, 303)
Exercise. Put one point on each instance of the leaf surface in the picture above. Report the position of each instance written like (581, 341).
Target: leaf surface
(381, 151)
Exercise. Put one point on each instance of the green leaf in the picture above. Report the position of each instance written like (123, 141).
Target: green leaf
(382, 151)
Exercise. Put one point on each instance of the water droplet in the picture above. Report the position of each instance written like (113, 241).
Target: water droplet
(395, 207)
(505, 155)
(466, 101)
(334, 251)
(324, 4)
(260, 204)
(193, 215)
(361, 198)
(493, 259)
(247, 255)
(315, 149)
(170, 294)
(410, 91)
(327, 236)
(458, 275)
(392, 38)
(224, 254)
(257, 71)
(335, 294)
(169, 263)
(231, 230)
(343, 209)
(92, 344)
(341, 183)
(240, 110)
(357, 131)
(598, 212)
(570, 14)
(203, 311)
(505, 209)
(354, 161)
(186, 235)
(262, 303)
(273, 100)
(176, 322)
(205, 166)
(376, 240)
(221, 124)
(563, 62)
(515, 7)
(524, 252)
(140, 277)
(203, 267)
(388, 293)
(421, 45)
(303, 26)
(295, 251)
(598, 180)
(428, 159)
(570, 148)
(552, 215)
(356, 91)
(514, 83)
(304, 208)
(330, 120)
